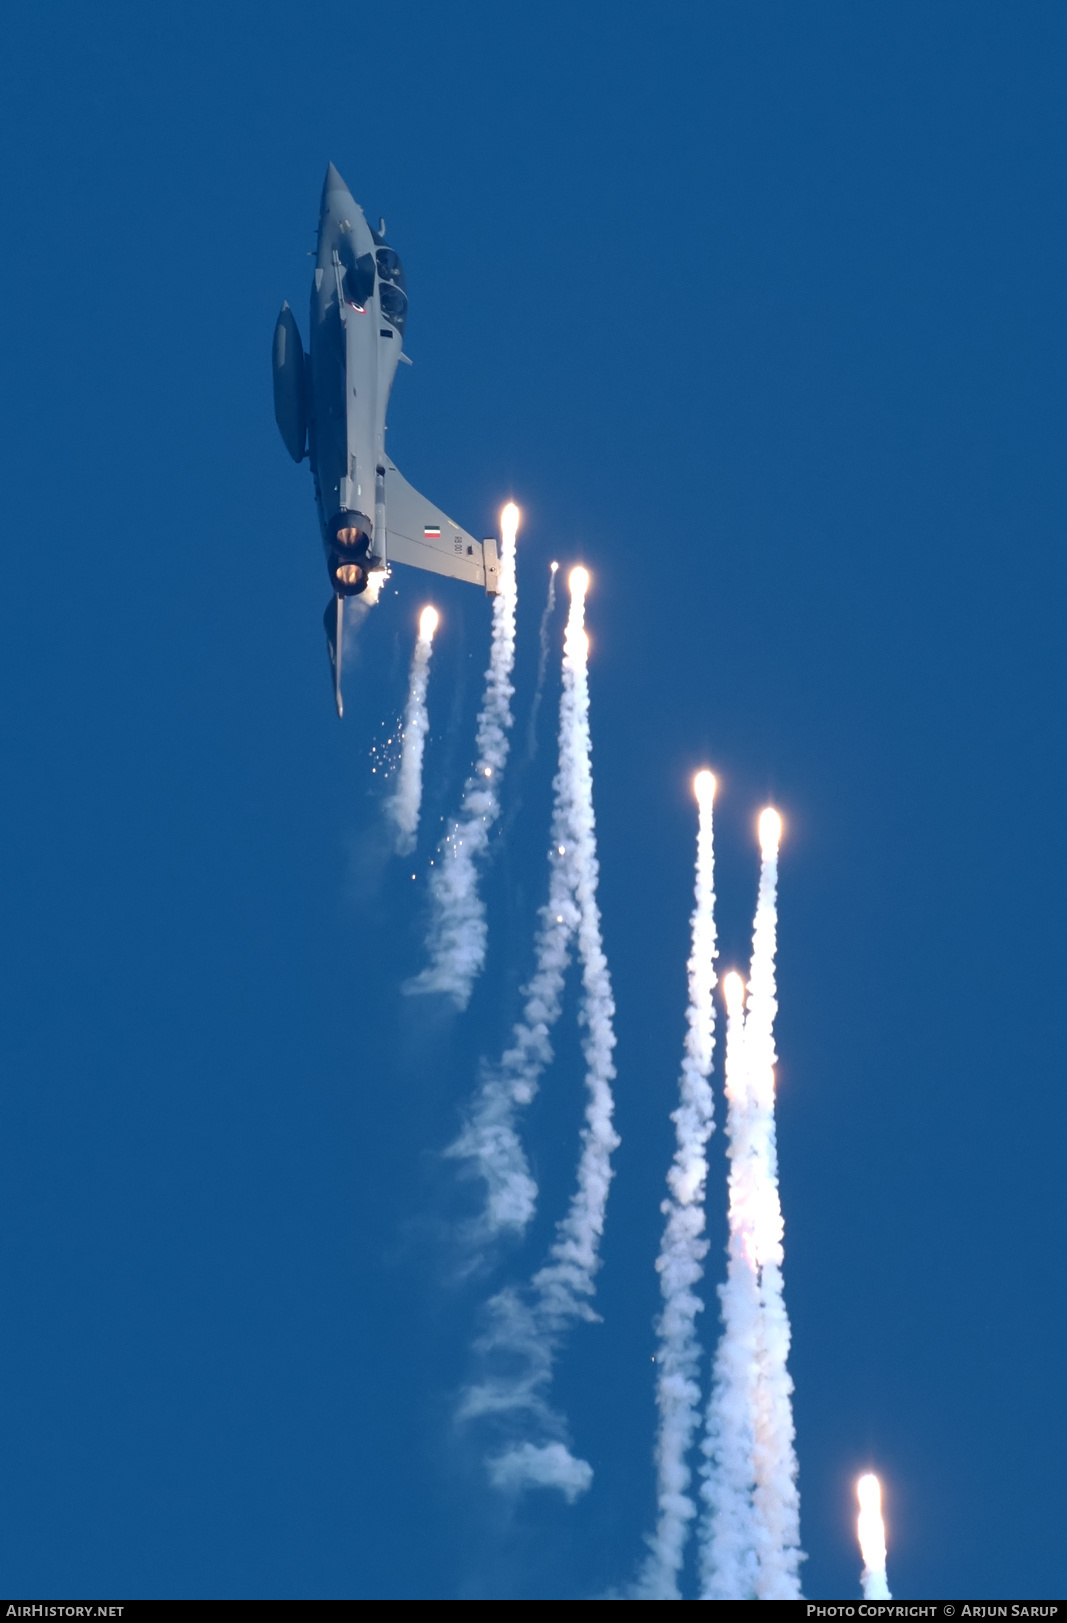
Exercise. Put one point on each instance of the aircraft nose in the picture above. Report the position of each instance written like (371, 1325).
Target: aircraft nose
(332, 183)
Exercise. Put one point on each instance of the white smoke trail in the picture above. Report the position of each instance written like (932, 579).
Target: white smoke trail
(550, 1465)
(542, 662)
(566, 1281)
(683, 1247)
(407, 800)
(728, 1559)
(777, 1502)
(525, 1331)
(871, 1531)
(489, 1141)
(458, 931)
(750, 1418)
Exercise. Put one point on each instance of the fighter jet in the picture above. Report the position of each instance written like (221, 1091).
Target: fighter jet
(330, 406)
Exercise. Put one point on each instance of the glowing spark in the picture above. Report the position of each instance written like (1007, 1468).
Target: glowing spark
(553, 566)
(428, 622)
(375, 581)
(578, 581)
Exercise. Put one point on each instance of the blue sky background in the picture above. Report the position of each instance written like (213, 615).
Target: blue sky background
(758, 311)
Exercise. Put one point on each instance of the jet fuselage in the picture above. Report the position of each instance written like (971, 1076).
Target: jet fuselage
(356, 342)
(330, 406)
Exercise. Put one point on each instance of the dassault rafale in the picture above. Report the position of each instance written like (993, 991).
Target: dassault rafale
(330, 405)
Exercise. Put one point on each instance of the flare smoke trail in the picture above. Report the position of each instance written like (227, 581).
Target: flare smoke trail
(728, 1560)
(542, 662)
(777, 1502)
(757, 1229)
(458, 931)
(871, 1531)
(683, 1248)
(566, 1281)
(405, 804)
(489, 1142)
(526, 1328)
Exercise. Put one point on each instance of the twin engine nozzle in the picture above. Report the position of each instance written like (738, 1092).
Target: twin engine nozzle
(349, 555)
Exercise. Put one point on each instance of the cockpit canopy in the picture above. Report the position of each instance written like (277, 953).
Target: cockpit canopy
(392, 288)
(358, 273)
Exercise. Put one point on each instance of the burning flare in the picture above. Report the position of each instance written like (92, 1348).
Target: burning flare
(871, 1531)
(407, 801)
(509, 525)
(733, 991)
(770, 830)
